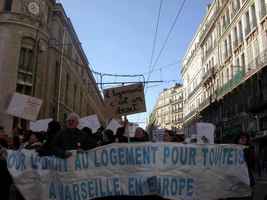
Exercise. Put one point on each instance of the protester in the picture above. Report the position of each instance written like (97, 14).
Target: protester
(88, 131)
(47, 148)
(34, 142)
(71, 138)
(244, 139)
(16, 143)
(3, 137)
(108, 137)
(168, 136)
(140, 135)
(120, 135)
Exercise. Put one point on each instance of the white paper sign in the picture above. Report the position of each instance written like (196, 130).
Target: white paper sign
(173, 171)
(91, 122)
(25, 107)
(40, 125)
(113, 125)
(205, 133)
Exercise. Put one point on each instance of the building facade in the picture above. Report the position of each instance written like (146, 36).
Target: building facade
(41, 56)
(232, 40)
(168, 111)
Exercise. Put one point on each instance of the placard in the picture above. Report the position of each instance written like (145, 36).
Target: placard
(91, 122)
(25, 107)
(125, 100)
(40, 125)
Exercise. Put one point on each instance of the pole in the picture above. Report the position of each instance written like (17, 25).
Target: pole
(60, 76)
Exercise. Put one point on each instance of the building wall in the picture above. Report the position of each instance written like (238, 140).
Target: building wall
(41, 56)
(232, 39)
(168, 111)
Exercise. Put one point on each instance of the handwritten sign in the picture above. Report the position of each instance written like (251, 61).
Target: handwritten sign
(125, 100)
(25, 107)
(173, 171)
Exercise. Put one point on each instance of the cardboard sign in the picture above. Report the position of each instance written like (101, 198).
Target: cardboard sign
(91, 122)
(172, 171)
(205, 133)
(25, 107)
(40, 125)
(125, 100)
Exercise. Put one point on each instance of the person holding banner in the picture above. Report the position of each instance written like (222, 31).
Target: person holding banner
(71, 138)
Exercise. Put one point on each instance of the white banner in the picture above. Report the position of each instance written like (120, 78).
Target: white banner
(173, 171)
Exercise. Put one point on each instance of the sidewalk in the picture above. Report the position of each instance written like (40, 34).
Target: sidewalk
(261, 188)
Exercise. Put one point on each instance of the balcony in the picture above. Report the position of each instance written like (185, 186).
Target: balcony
(208, 75)
(231, 84)
(204, 104)
(189, 115)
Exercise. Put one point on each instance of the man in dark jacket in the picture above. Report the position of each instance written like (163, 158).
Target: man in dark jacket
(72, 138)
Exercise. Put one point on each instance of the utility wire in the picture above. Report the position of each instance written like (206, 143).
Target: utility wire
(168, 36)
(155, 35)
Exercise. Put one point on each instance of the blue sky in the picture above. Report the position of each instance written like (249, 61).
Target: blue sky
(117, 36)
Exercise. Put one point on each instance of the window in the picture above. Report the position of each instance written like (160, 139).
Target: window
(225, 49)
(25, 72)
(228, 16)
(243, 64)
(56, 80)
(67, 88)
(227, 75)
(235, 37)
(262, 8)
(8, 5)
(230, 44)
(81, 101)
(254, 17)
(240, 27)
(74, 96)
(248, 28)
(25, 60)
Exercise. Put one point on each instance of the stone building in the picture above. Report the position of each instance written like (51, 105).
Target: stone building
(232, 40)
(41, 56)
(168, 111)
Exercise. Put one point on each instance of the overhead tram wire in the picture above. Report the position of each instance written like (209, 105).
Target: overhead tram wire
(155, 35)
(167, 38)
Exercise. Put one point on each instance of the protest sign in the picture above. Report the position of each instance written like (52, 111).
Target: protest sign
(205, 133)
(25, 107)
(91, 122)
(125, 100)
(173, 171)
(113, 125)
(40, 125)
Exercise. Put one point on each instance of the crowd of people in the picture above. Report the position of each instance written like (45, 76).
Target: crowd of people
(59, 142)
